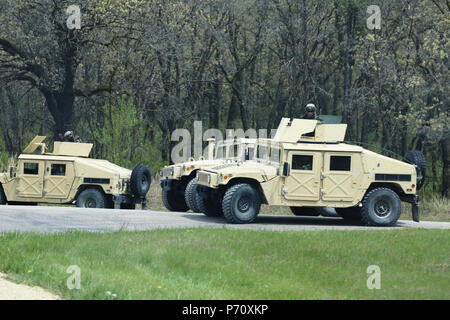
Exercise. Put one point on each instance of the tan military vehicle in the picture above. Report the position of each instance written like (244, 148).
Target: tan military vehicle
(68, 176)
(178, 183)
(307, 167)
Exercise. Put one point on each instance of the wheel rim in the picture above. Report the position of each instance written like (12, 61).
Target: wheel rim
(91, 203)
(382, 208)
(244, 204)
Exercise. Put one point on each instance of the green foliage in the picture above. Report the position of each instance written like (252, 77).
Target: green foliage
(122, 137)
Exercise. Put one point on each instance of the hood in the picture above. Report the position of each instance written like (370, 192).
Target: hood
(250, 168)
(104, 165)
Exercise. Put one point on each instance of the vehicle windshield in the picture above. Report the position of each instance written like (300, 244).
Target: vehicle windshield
(262, 152)
(266, 153)
(227, 151)
(220, 152)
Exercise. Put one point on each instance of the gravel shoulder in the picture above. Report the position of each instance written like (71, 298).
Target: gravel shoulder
(13, 291)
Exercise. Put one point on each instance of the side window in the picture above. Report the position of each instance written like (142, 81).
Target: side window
(58, 170)
(302, 162)
(340, 163)
(31, 168)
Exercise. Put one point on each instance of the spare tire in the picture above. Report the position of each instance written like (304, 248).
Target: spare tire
(141, 178)
(416, 158)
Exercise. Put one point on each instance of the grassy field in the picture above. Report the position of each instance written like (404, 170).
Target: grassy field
(233, 264)
(433, 208)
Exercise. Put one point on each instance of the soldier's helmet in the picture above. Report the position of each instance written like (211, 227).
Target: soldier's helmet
(310, 108)
(310, 111)
(68, 136)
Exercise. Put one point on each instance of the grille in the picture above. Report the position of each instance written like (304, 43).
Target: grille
(203, 177)
(167, 172)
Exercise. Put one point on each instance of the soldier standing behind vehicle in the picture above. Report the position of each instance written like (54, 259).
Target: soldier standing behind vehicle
(311, 113)
(70, 137)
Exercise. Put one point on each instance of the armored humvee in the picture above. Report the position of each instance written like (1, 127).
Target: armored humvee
(306, 167)
(68, 176)
(178, 180)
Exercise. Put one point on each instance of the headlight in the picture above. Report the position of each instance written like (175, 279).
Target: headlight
(161, 173)
(196, 176)
(172, 172)
(209, 179)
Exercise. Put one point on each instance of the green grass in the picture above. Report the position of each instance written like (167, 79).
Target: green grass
(233, 264)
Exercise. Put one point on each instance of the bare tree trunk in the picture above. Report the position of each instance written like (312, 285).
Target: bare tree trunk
(445, 145)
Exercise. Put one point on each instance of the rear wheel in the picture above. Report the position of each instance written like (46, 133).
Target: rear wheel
(241, 204)
(91, 198)
(173, 198)
(351, 214)
(190, 196)
(381, 207)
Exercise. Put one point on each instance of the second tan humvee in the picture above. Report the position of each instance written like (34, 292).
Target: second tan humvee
(178, 180)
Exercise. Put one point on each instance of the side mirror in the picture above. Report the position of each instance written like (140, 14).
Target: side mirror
(286, 169)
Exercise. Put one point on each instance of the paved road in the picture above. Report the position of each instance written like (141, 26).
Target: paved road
(59, 219)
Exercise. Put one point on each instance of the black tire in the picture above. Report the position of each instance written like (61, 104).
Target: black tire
(211, 207)
(174, 200)
(305, 211)
(350, 214)
(241, 204)
(381, 207)
(190, 196)
(2, 197)
(141, 179)
(91, 198)
(417, 158)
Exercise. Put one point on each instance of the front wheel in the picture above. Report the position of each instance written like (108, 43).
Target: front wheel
(173, 200)
(91, 198)
(381, 207)
(209, 206)
(241, 204)
(190, 196)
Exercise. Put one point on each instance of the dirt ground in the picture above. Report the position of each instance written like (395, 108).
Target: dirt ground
(12, 291)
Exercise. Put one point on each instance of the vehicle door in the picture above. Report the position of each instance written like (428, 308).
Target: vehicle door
(58, 179)
(303, 181)
(30, 179)
(340, 174)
